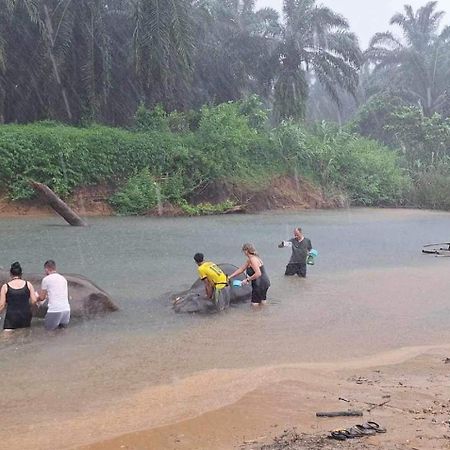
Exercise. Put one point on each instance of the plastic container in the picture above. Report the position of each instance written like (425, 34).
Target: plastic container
(237, 283)
(310, 258)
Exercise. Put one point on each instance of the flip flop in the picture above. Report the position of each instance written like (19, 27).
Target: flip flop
(365, 431)
(370, 425)
(339, 435)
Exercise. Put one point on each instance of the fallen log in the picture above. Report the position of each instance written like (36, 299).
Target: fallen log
(60, 207)
(339, 413)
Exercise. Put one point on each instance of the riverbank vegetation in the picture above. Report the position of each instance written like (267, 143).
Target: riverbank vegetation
(219, 97)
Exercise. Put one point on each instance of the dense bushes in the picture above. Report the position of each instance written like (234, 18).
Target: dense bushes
(423, 142)
(366, 171)
(228, 142)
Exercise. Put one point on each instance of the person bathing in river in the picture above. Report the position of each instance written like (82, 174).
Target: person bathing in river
(255, 273)
(216, 282)
(301, 246)
(54, 289)
(17, 296)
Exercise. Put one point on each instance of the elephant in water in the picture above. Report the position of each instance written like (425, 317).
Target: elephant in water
(194, 299)
(85, 298)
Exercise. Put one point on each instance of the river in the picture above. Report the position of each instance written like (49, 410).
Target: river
(370, 290)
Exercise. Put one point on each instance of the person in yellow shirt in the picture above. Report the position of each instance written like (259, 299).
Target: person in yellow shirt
(216, 282)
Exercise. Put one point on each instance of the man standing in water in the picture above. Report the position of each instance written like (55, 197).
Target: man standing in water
(301, 247)
(54, 289)
(216, 283)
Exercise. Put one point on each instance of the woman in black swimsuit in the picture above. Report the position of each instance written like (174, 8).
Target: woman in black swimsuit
(18, 296)
(256, 274)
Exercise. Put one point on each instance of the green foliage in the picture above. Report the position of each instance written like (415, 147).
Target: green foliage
(230, 145)
(224, 138)
(373, 116)
(138, 196)
(368, 172)
(252, 108)
(204, 209)
(151, 120)
(423, 140)
(432, 186)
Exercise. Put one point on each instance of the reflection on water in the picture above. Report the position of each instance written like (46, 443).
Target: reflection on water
(348, 306)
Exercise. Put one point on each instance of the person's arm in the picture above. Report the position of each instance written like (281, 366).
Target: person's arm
(33, 297)
(2, 297)
(309, 245)
(285, 244)
(239, 271)
(42, 295)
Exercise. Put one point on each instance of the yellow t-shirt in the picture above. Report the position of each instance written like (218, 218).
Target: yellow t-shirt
(213, 273)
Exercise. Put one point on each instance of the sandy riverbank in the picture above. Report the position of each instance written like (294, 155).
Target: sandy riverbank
(413, 383)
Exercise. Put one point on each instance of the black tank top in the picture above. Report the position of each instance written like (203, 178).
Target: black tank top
(262, 280)
(18, 300)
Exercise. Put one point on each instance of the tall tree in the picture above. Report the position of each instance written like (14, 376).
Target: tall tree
(315, 39)
(415, 66)
(163, 45)
(235, 49)
(20, 28)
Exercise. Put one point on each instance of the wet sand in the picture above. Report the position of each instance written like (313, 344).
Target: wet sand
(413, 394)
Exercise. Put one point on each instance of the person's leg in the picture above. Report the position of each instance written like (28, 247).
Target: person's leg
(264, 295)
(52, 320)
(223, 298)
(302, 270)
(216, 298)
(65, 319)
(256, 296)
(291, 269)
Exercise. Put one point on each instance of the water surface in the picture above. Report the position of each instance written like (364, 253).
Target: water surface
(370, 290)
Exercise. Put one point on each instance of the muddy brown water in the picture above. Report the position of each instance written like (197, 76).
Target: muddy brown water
(371, 290)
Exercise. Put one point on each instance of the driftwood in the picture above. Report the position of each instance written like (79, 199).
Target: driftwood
(238, 209)
(340, 413)
(67, 213)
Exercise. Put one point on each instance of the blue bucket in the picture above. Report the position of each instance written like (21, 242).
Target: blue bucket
(314, 253)
(237, 283)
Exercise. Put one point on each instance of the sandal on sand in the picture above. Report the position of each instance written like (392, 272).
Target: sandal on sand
(340, 435)
(364, 431)
(370, 425)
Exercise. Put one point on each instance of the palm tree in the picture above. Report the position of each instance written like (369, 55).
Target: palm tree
(415, 67)
(163, 47)
(16, 47)
(235, 49)
(317, 40)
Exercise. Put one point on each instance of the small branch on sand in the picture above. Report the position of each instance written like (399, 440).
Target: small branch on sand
(377, 405)
(67, 213)
(350, 413)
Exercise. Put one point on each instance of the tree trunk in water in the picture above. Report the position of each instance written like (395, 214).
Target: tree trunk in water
(58, 205)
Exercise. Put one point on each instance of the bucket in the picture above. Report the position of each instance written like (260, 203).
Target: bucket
(237, 283)
(311, 255)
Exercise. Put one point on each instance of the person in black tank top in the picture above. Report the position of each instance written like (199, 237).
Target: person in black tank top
(256, 274)
(18, 296)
